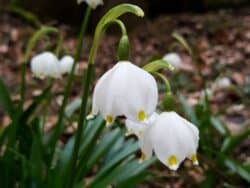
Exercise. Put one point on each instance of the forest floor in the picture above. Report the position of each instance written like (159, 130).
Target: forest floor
(220, 40)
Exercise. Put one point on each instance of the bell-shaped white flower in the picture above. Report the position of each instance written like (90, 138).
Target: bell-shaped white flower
(66, 64)
(92, 3)
(125, 90)
(222, 83)
(45, 65)
(173, 139)
(174, 59)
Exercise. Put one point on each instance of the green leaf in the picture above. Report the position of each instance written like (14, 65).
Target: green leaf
(5, 100)
(129, 148)
(90, 136)
(123, 173)
(72, 107)
(131, 170)
(90, 132)
(221, 128)
(91, 127)
(36, 102)
(101, 149)
(36, 150)
(231, 142)
(238, 168)
(157, 65)
(4, 134)
(188, 110)
(183, 42)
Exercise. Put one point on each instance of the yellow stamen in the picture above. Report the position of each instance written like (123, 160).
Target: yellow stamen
(142, 158)
(140, 132)
(141, 116)
(172, 160)
(109, 119)
(194, 159)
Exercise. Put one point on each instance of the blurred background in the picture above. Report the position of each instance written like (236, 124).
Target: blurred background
(211, 86)
(67, 11)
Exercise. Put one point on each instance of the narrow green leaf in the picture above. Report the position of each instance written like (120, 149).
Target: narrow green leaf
(231, 142)
(238, 168)
(72, 107)
(5, 100)
(123, 172)
(36, 151)
(131, 170)
(102, 148)
(188, 110)
(36, 102)
(183, 42)
(129, 148)
(92, 128)
(4, 134)
(221, 128)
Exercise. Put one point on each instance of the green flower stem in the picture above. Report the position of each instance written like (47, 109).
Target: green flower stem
(59, 125)
(108, 18)
(121, 25)
(168, 102)
(59, 45)
(81, 122)
(166, 82)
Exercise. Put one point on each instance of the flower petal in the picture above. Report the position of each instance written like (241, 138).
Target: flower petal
(172, 139)
(126, 90)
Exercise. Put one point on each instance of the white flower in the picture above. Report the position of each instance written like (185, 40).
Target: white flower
(92, 3)
(222, 83)
(66, 64)
(172, 138)
(125, 90)
(45, 65)
(174, 59)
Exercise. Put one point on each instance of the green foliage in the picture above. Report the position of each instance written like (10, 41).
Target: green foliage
(5, 100)
(31, 157)
(97, 156)
(217, 146)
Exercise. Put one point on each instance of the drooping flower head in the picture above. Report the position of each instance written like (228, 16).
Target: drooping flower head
(45, 65)
(92, 3)
(174, 59)
(125, 90)
(66, 64)
(172, 139)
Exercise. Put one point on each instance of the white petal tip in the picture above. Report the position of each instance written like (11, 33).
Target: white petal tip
(108, 125)
(141, 161)
(90, 116)
(196, 163)
(173, 167)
